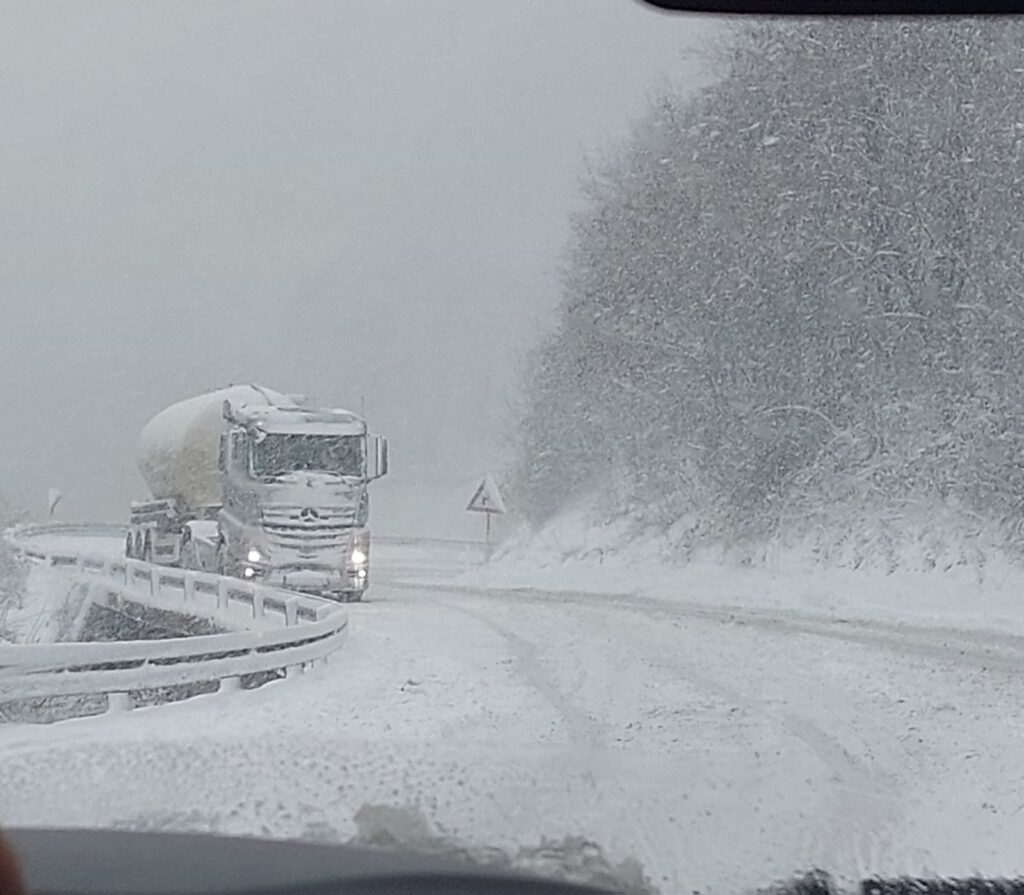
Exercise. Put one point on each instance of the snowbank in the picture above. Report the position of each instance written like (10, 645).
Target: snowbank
(575, 554)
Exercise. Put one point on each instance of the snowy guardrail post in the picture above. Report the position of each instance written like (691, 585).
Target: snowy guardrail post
(138, 572)
(223, 594)
(129, 574)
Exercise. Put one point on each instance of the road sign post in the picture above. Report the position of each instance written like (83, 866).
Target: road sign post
(487, 499)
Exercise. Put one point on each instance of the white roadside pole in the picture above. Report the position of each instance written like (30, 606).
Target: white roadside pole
(487, 499)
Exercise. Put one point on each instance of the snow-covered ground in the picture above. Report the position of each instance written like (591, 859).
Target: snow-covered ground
(721, 748)
(47, 608)
(575, 556)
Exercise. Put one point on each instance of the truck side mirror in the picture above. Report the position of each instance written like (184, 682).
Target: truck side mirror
(377, 459)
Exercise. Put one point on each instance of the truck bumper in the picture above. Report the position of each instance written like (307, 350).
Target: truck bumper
(315, 581)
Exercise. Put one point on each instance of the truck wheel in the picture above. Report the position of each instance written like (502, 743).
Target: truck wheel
(147, 549)
(129, 544)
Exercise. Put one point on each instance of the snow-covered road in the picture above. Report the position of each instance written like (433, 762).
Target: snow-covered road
(719, 749)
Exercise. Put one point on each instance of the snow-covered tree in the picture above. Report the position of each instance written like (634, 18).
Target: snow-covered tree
(795, 298)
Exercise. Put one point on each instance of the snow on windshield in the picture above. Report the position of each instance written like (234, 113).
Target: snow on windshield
(278, 454)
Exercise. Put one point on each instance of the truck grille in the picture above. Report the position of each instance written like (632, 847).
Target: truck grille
(309, 528)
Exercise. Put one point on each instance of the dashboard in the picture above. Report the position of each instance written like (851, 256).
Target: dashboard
(112, 862)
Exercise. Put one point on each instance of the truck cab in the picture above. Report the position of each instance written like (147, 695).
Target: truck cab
(295, 498)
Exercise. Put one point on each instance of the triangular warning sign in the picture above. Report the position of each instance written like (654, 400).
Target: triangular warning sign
(487, 498)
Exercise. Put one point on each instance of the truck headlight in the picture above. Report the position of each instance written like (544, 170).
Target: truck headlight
(254, 555)
(358, 557)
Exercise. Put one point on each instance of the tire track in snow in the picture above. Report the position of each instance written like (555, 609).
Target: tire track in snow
(862, 804)
(826, 748)
(650, 842)
(987, 649)
(858, 808)
(583, 729)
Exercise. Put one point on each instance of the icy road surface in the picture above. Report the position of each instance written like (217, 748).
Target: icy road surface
(719, 749)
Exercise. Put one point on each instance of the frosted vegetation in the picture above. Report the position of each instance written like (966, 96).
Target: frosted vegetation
(793, 305)
(12, 575)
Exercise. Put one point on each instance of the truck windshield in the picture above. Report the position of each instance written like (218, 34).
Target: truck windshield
(279, 454)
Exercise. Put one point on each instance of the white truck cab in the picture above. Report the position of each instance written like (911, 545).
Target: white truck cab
(295, 497)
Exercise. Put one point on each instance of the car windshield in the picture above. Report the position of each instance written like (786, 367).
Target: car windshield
(684, 550)
(281, 453)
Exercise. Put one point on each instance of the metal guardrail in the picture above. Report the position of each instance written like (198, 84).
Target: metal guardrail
(269, 629)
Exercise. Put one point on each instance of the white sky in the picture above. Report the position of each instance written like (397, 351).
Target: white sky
(353, 200)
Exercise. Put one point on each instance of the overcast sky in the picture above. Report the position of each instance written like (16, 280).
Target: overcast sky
(359, 201)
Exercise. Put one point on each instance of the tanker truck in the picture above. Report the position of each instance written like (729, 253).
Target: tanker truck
(257, 484)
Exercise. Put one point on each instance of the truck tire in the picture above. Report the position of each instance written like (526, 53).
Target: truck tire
(129, 547)
(147, 549)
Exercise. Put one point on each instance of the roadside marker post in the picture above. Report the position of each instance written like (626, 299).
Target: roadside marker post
(487, 499)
